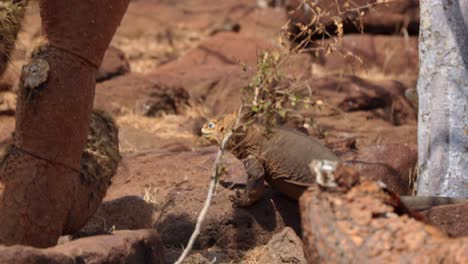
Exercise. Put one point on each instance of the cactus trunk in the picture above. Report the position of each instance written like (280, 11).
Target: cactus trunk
(43, 191)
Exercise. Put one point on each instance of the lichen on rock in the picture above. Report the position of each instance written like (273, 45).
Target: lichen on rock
(101, 154)
(35, 73)
(98, 165)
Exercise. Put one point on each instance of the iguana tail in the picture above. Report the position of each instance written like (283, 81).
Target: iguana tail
(421, 203)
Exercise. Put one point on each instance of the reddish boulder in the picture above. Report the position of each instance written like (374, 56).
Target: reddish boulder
(132, 247)
(365, 224)
(386, 95)
(216, 87)
(339, 145)
(114, 64)
(368, 54)
(224, 48)
(264, 23)
(393, 164)
(136, 93)
(284, 247)
(367, 128)
(130, 212)
(214, 72)
(451, 218)
(383, 99)
(382, 18)
(150, 36)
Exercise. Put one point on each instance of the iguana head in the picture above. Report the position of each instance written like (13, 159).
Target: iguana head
(215, 130)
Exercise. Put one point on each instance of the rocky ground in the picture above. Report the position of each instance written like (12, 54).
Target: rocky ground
(173, 64)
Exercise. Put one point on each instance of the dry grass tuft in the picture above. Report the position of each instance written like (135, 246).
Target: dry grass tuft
(11, 16)
(253, 256)
(150, 195)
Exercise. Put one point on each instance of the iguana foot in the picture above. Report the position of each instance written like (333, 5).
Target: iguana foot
(241, 199)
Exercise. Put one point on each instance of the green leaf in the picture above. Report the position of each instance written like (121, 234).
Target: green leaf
(282, 113)
(276, 55)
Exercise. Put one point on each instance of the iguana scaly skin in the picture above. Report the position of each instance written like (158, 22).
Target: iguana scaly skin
(282, 159)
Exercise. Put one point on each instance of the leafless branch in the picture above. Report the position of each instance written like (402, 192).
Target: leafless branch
(211, 190)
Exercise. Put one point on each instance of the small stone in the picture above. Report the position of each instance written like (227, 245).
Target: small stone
(284, 247)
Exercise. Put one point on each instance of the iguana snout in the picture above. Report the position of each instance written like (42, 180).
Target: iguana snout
(212, 131)
(215, 130)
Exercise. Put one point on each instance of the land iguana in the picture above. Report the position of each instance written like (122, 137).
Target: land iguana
(282, 158)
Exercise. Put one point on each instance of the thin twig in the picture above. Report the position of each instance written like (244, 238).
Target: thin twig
(211, 190)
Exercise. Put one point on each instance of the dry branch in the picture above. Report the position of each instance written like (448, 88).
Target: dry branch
(211, 190)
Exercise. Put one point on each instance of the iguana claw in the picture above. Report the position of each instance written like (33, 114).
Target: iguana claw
(240, 199)
(233, 199)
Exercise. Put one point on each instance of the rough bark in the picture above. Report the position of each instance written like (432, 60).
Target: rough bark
(443, 95)
(43, 192)
(361, 222)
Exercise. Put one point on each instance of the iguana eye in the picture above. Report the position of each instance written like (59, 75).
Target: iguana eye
(211, 125)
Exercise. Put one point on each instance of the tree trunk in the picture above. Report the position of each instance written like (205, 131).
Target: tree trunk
(43, 190)
(443, 94)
